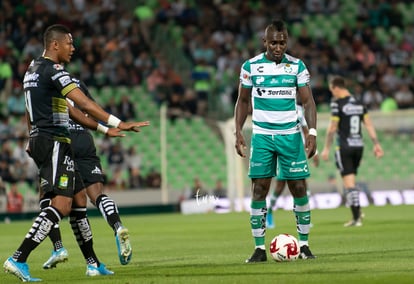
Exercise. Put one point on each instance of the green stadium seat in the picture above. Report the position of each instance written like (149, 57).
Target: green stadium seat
(296, 29)
(335, 22)
(105, 94)
(397, 33)
(381, 34)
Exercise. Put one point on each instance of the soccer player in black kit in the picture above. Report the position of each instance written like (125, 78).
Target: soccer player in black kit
(47, 85)
(347, 116)
(89, 176)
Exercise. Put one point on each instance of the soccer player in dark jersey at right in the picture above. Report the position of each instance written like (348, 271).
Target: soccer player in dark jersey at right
(47, 85)
(347, 116)
(90, 177)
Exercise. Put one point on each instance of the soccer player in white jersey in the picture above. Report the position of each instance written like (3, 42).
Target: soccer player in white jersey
(269, 82)
(280, 183)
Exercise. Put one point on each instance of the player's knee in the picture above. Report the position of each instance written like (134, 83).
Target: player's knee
(259, 191)
(63, 205)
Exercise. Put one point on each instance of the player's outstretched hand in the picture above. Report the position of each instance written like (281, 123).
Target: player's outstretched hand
(133, 125)
(115, 132)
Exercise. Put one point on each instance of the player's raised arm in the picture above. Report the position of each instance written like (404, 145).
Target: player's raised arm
(95, 110)
(79, 117)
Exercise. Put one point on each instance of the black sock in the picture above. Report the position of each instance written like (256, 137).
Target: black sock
(109, 211)
(40, 229)
(82, 231)
(356, 212)
(353, 202)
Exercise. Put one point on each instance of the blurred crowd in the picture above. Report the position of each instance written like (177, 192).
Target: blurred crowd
(188, 53)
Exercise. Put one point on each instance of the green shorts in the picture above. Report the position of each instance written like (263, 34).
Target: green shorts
(281, 155)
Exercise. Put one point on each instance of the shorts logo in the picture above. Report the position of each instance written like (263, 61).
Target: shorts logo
(299, 170)
(63, 181)
(70, 166)
(96, 170)
(43, 182)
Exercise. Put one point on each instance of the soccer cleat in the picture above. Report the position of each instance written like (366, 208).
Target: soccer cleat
(353, 223)
(19, 269)
(96, 271)
(259, 255)
(58, 256)
(269, 220)
(305, 253)
(123, 245)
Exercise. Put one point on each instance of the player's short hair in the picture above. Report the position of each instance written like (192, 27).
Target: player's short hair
(277, 25)
(54, 32)
(338, 81)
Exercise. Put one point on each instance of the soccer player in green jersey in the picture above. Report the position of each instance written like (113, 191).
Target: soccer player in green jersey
(269, 83)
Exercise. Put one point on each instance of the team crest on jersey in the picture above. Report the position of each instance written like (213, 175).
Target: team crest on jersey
(58, 66)
(288, 68)
(245, 76)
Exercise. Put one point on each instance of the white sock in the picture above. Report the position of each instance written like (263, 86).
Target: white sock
(261, 247)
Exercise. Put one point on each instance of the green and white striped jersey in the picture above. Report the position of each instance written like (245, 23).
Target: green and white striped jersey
(274, 88)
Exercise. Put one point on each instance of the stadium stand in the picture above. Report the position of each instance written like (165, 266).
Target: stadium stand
(171, 32)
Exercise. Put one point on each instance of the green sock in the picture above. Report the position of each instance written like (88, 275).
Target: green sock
(258, 222)
(303, 217)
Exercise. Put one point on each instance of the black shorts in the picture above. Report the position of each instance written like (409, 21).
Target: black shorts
(87, 163)
(55, 162)
(348, 160)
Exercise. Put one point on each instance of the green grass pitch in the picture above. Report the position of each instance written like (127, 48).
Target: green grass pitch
(211, 248)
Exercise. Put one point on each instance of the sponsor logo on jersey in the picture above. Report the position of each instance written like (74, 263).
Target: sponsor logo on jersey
(262, 92)
(288, 81)
(274, 81)
(260, 80)
(65, 80)
(351, 109)
(30, 77)
(59, 74)
(260, 69)
(259, 91)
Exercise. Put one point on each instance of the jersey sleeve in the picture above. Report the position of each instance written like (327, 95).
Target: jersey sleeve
(301, 117)
(334, 109)
(303, 77)
(245, 78)
(62, 79)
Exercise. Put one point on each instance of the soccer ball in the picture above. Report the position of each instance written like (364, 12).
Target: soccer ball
(284, 247)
